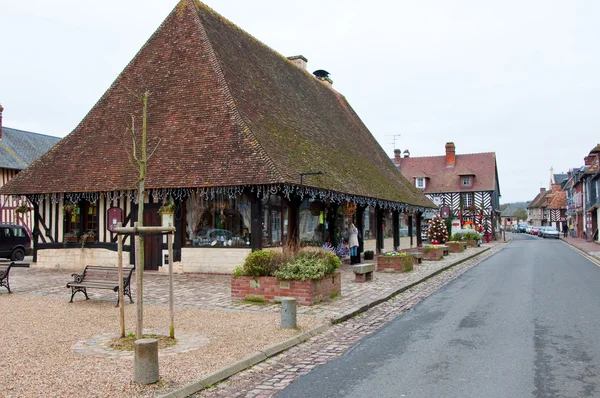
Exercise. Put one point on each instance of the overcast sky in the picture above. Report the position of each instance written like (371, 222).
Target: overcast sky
(518, 78)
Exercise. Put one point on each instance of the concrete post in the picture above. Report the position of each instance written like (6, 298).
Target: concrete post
(288, 313)
(146, 361)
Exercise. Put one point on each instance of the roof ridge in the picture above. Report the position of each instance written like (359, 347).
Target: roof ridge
(31, 132)
(245, 129)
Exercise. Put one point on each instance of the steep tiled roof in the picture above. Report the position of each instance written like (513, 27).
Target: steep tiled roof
(447, 179)
(224, 110)
(18, 148)
(539, 200)
(558, 201)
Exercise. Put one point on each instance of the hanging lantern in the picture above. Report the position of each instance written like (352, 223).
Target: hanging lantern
(315, 208)
(349, 208)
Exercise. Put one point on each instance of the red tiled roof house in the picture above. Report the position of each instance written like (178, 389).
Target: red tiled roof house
(251, 148)
(468, 184)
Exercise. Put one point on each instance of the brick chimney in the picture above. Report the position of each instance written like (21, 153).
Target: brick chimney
(450, 154)
(397, 157)
(542, 190)
(299, 60)
(1, 109)
(588, 160)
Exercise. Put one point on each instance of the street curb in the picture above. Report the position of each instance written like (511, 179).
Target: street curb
(585, 254)
(399, 290)
(275, 349)
(248, 362)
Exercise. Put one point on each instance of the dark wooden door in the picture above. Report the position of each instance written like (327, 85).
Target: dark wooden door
(152, 244)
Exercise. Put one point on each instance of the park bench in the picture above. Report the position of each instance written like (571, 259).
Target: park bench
(101, 277)
(363, 272)
(4, 272)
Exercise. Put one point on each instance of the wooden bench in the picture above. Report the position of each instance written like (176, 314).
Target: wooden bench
(363, 272)
(101, 277)
(4, 273)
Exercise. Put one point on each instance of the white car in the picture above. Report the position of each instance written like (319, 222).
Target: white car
(551, 232)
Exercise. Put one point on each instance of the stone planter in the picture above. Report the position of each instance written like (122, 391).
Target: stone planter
(395, 263)
(434, 254)
(456, 247)
(472, 243)
(271, 289)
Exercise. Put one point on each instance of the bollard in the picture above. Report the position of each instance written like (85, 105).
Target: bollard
(145, 370)
(288, 312)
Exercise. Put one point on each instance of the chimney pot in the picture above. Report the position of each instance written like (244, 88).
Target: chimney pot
(299, 60)
(542, 190)
(450, 154)
(397, 157)
(406, 153)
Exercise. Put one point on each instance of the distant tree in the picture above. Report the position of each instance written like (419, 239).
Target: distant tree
(521, 214)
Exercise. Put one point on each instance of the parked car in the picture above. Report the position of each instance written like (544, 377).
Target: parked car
(522, 227)
(528, 229)
(541, 231)
(534, 230)
(551, 232)
(14, 242)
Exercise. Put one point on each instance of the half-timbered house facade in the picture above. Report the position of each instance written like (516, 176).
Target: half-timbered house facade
(249, 150)
(468, 184)
(549, 207)
(18, 149)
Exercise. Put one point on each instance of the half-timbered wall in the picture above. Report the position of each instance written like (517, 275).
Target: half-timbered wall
(9, 203)
(483, 203)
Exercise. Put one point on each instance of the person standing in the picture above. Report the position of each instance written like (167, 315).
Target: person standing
(353, 244)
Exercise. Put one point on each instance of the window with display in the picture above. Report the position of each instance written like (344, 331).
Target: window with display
(217, 222)
(312, 219)
(369, 223)
(274, 220)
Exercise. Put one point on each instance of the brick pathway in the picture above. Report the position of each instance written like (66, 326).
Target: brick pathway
(269, 377)
(213, 291)
(591, 248)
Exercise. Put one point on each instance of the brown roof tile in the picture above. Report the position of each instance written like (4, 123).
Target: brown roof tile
(447, 179)
(224, 110)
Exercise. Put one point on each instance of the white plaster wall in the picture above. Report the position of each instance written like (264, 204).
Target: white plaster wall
(76, 259)
(207, 260)
(388, 243)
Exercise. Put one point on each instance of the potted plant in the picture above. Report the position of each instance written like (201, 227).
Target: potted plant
(369, 254)
(167, 208)
(70, 237)
(70, 208)
(22, 209)
(309, 275)
(395, 262)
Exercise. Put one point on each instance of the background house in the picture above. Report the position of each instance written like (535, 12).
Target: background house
(549, 207)
(18, 149)
(468, 184)
(512, 213)
(591, 189)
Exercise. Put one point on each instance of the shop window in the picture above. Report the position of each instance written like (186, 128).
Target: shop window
(217, 222)
(72, 214)
(90, 217)
(369, 223)
(312, 219)
(272, 226)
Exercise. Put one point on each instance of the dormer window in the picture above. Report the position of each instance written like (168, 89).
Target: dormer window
(420, 182)
(467, 181)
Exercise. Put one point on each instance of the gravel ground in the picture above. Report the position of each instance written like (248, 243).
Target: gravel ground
(37, 335)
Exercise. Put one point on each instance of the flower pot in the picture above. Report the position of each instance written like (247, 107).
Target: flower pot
(368, 255)
(395, 263)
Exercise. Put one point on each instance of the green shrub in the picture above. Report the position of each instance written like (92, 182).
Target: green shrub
(462, 236)
(314, 264)
(258, 263)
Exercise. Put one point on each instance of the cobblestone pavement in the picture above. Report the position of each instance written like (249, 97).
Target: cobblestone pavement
(269, 377)
(214, 291)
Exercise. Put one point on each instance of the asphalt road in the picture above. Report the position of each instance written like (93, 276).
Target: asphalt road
(524, 323)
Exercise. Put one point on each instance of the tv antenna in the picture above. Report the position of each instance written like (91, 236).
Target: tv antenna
(395, 137)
